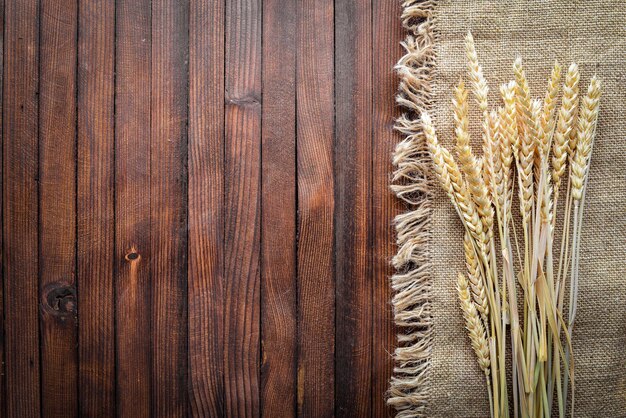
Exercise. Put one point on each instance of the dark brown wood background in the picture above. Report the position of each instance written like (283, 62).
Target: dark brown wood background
(195, 209)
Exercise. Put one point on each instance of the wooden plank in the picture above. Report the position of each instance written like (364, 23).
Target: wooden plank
(132, 207)
(316, 297)
(168, 196)
(353, 158)
(206, 211)
(20, 211)
(386, 36)
(3, 388)
(278, 222)
(96, 223)
(242, 167)
(96, 45)
(57, 207)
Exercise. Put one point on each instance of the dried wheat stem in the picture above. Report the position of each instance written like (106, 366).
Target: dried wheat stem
(562, 148)
(579, 161)
(587, 119)
(525, 160)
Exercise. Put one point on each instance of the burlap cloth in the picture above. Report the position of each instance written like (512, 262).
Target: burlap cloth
(593, 34)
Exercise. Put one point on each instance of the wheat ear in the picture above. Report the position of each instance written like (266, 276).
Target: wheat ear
(564, 125)
(549, 102)
(467, 160)
(509, 138)
(449, 176)
(573, 133)
(528, 135)
(439, 164)
(480, 90)
(446, 169)
(493, 153)
(475, 278)
(587, 118)
(475, 328)
(541, 145)
(479, 83)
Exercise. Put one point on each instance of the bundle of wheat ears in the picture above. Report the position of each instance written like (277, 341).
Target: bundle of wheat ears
(533, 169)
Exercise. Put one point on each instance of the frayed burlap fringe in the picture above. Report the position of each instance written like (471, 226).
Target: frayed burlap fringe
(409, 390)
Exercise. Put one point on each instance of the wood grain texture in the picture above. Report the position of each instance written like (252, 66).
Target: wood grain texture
(242, 167)
(316, 288)
(95, 203)
(168, 206)
(278, 223)
(353, 170)
(133, 250)
(57, 207)
(3, 388)
(206, 185)
(206, 208)
(20, 207)
(386, 37)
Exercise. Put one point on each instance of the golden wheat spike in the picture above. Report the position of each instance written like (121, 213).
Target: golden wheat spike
(587, 118)
(475, 328)
(565, 124)
(549, 102)
(450, 178)
(479, 84)
(528, 136)
(476, 280)
(509, 138)
(467, 160)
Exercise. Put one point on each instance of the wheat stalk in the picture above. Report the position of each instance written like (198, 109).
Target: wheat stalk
(587, 120)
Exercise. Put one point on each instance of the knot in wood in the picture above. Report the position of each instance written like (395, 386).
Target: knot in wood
(132, 256)
(60, 299)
